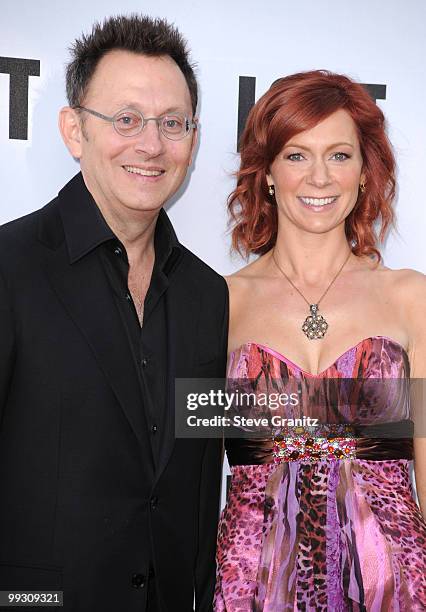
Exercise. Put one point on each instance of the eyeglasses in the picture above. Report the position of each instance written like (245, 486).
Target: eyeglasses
(130, 122)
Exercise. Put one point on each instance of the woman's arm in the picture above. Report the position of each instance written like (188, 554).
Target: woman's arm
(415, 300)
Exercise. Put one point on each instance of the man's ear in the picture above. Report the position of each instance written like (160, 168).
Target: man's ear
(194, 142)
(71, 130)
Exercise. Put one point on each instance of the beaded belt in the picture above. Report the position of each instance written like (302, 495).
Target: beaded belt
(330, 442)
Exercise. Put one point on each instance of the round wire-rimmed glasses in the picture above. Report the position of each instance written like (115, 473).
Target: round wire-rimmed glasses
(130, 122)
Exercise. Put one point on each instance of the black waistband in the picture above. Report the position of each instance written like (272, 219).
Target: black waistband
(374, 443)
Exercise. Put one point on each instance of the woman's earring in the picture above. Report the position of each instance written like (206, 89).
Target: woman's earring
(362, 186)
(271, 191)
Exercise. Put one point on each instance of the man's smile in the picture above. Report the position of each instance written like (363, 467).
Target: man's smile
(144, 171)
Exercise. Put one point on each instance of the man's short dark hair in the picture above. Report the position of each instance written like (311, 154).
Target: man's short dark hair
(135, 33)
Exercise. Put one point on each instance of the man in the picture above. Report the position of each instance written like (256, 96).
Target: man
(101, 308)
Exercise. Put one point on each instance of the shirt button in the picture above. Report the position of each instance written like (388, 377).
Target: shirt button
(138, 581)
(144, 362)
(118, 251)
(154, 429)
(154, 502)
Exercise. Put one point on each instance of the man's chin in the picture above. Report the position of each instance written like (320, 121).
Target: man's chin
(143, 208)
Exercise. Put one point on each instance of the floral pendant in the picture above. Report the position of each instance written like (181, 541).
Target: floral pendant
(315, 326)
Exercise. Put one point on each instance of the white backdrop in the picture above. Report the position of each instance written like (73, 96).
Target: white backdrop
(371, 40)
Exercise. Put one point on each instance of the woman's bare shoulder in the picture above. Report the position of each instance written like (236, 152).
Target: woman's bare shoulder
(244, 278)
(400, 284)
(410, 294)
(406, 283)
(407, 291)
(246, 284)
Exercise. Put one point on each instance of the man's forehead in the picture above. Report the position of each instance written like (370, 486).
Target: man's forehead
(128, 78)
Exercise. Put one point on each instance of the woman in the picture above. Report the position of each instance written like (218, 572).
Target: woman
(323, 520)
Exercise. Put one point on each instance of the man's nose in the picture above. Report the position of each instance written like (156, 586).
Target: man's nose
(150, 140)
(319, 173)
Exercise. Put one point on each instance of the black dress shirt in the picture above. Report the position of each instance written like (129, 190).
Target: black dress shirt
(149, 342)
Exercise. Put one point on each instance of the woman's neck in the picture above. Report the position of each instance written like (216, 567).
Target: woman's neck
(308, 258)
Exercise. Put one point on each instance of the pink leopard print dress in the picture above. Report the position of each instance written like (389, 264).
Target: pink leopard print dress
(322, 523)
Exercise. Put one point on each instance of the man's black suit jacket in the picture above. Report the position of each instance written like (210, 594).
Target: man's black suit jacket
(81, 502)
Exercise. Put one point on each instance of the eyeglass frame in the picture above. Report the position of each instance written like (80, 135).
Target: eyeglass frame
(189, 122)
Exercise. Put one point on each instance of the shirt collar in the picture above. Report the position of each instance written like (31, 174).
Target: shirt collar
(84, 225)
(85, 228)
(166, 245)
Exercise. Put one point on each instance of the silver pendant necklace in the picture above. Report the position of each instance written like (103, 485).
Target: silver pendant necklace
(315, 325)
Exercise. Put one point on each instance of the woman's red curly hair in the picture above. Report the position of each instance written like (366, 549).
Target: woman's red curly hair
(292, 105)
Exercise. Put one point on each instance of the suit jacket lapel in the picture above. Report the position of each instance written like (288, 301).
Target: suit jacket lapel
(182, 313)
(83, 288)
(71, 227)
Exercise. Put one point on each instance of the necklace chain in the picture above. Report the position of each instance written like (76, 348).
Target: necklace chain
(298, 290)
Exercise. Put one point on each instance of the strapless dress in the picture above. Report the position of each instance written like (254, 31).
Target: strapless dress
(330, 522)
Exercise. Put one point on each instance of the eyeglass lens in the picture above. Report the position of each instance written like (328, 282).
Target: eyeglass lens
(129, 122)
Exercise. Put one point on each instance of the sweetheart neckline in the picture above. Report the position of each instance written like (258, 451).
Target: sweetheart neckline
(285, 359)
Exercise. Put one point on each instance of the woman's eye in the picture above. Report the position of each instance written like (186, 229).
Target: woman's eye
(340, 156)
(295, 157)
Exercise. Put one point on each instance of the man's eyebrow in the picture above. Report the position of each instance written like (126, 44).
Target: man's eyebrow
(175, 109)
(122, 105)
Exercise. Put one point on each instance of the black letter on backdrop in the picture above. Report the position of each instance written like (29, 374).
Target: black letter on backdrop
(377, 92)
(19, 71)
(247, 94)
